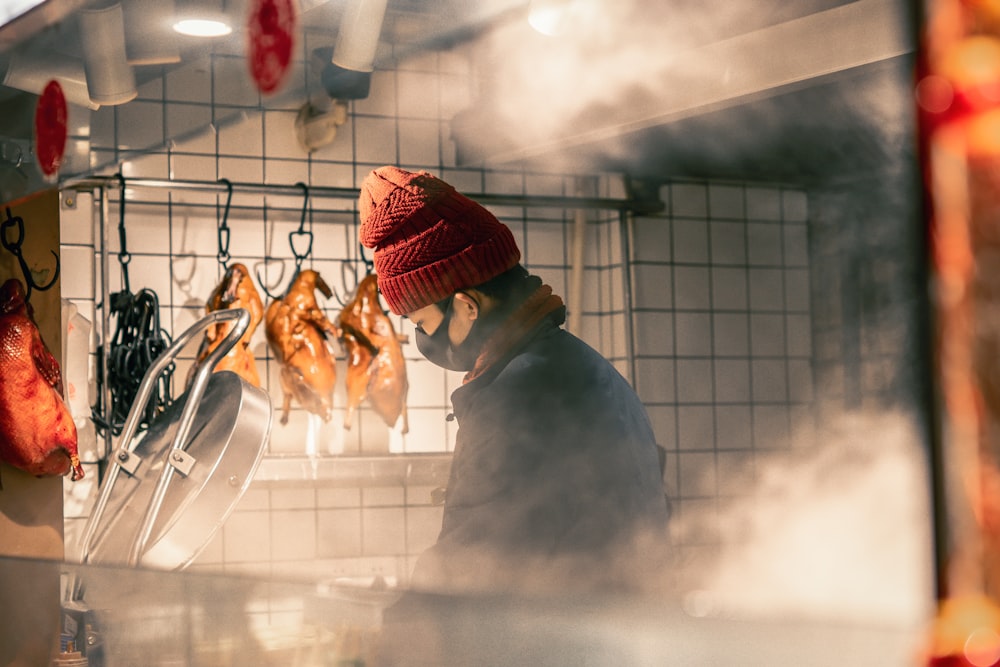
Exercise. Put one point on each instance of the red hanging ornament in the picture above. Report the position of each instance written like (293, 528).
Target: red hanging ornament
(271, 35)
(50, 128)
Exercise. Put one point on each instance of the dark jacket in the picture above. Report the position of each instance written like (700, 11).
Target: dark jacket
(556, 484)
(555, 490)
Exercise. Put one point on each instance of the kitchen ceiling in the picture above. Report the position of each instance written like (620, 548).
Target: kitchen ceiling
(806, 92)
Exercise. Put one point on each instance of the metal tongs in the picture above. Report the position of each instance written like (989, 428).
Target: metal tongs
(177, 459)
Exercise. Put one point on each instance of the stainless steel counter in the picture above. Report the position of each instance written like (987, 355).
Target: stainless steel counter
(390, 470)
(130, 616)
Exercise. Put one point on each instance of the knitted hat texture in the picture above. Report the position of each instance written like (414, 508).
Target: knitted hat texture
(429, 240)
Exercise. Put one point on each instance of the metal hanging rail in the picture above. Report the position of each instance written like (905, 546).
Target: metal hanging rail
(538, 201)
(100, 186)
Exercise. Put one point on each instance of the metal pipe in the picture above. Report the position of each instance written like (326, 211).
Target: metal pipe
(575, 323)
(102, 193)
(627, 227)
(538, 201)
(357, 40)
(87, 182)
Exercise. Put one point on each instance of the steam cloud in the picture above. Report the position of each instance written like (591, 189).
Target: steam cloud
(607, 53)
(619, 67)
(837, 531)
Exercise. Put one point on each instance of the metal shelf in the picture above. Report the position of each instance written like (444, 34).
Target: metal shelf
(388, 470)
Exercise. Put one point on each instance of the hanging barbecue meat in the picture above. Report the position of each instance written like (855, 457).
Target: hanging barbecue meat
(375, 366)
(236, 290)
(37, 433)
(298, 333)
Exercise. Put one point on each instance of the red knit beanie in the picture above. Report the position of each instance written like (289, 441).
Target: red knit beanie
(429, 240)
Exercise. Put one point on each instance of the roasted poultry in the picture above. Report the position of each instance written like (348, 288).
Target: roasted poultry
(375, 366)
(298, 333)
(236, 290)
(37, 433)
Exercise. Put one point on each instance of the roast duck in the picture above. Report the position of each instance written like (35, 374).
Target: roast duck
(37, 433)
(236, 290)
(298, 333)
(375, 366)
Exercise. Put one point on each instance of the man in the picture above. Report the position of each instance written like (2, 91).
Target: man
(556, 485)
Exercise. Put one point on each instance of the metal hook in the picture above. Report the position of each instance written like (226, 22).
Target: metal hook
(223, 230)
(263, 286)
(305, 204)
(124, 257)
(345, 266)
(15, 248)
(369, 264)
(301, 231)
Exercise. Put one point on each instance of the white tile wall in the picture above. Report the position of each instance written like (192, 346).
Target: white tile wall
(730, 334)
(692, 287)
(690, 240)
(731, 426)
(763, 203)
(721, 307)
(732, 380)
(653, 286)
(689, 200)
(726, 202)
(728, 242)
(140, 125)
(693, 331)
(729, 288)
(419, 141)
(723, 337)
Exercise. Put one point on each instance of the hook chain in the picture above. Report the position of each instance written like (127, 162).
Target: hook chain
(124, 257)
(15, 248)
(223, 230)
(302, 232)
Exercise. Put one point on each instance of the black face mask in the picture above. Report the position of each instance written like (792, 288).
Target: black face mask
(438, 350)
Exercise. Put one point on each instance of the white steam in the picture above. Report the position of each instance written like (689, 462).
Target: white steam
(610, 67)
(840, 530)
(599, 55)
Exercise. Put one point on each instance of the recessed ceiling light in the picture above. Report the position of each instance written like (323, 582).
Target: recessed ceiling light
(546, 19)
(203, 27)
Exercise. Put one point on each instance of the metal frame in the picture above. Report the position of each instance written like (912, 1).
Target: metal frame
(103, 182)
(99, 186)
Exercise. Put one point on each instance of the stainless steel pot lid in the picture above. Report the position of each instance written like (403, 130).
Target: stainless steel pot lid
(228, 433)
(169, 490)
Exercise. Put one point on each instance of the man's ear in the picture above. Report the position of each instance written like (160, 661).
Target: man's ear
(466, 305)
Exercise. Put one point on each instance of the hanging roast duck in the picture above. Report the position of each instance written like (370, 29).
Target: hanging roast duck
(37, 433)
(236, 290)
(375, 366)
(298, 333)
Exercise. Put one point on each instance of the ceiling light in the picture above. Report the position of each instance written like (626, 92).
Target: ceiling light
(203, 27)
(545, 18)
(559, 17)
(201, 18)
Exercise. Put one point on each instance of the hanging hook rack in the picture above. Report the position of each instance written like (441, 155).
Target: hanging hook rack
(223, 228)
(346, 266)
(351, 266)
(369, 264)
(15, 248)
(301, 232)
(124, 257)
